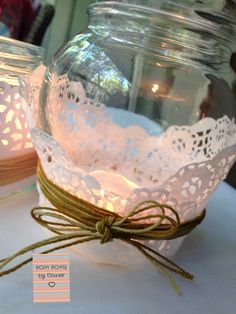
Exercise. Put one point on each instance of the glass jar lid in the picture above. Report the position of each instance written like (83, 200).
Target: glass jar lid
(18, 58)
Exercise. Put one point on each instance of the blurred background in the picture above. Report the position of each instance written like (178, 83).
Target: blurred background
(48, 23)
(70, 19)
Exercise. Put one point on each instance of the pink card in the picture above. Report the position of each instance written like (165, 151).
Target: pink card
(51, 278)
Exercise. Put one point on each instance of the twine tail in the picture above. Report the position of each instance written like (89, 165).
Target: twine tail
(163, 267)
(4, 262)
(75, 221)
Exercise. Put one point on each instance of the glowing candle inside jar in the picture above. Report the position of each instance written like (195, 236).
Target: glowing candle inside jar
(106, 171)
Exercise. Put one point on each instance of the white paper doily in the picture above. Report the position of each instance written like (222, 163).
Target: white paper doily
(14, 133)
(116, 159)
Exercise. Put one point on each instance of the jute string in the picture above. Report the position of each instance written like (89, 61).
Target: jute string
(75, 221)
(17, 168)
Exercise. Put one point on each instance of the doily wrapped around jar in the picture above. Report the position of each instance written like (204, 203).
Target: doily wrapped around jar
(131, 132)
(18, 159)
(15, 145)
(130, 159)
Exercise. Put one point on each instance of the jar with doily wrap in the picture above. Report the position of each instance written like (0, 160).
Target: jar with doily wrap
(139, 108)
(18, 159)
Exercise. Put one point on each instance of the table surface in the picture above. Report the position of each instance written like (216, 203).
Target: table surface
(135, 287)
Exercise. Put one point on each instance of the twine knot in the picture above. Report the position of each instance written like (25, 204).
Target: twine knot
(103, 227)
(75, 221)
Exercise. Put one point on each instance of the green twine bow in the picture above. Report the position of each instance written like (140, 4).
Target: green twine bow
(77, 221)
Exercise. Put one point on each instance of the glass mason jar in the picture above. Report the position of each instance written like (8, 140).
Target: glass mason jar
(186, 47)
(17, 156)
(141, 108)
(222, 12)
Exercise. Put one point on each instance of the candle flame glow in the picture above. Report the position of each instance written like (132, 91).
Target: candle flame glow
(155, 88)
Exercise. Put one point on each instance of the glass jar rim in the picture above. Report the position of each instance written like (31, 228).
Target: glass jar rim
(18, 58)
(211, 26)
(40, 51)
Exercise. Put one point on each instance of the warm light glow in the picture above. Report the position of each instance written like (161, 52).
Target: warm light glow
(9, 116)
(28, 145)
(17, 147)
(112, 185)
(17, 136)
(2, 108)
(155, 88)
(5, 142)
(18, 124)
(102, 193)
(5, 131)
(130, 183)
(109, 206)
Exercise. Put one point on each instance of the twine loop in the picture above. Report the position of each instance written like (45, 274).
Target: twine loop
(103, 227)
(75, 221)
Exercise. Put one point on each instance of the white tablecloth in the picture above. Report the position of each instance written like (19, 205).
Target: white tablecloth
(209, 253)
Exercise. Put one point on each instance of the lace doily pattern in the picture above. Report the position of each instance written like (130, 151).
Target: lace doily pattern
(30, 89)
(116, 159)
(15, 135)
(187, 190)
(127, 143)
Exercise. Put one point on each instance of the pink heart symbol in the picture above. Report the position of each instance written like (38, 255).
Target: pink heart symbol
(51, 284)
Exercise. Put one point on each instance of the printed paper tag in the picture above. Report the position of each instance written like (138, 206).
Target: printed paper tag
(51, 278)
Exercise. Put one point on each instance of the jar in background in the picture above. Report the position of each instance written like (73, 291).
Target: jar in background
(17, 157)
